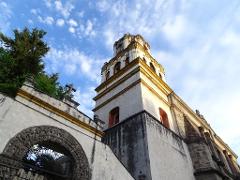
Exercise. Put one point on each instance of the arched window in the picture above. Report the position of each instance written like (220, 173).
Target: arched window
(113, 117)
(152, 67)
(127, 60)
(144, 60)
(117, 67)
(107, 75)
(164, 118)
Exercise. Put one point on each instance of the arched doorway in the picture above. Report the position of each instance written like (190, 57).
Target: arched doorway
(58, 155)
(50, 160)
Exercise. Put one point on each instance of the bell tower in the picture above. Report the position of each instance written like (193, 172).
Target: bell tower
(132, 81)
(133, 101)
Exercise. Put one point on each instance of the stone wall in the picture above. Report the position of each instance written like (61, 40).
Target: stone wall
(148, 150)
(128, 141)
(169, 155)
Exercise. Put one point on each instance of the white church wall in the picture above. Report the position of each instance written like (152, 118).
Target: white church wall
(117, 89)
(116, 79)
(150, 83)
(152, 102)
(129, 103)
(16, 116)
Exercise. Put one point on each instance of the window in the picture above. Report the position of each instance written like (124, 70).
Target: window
(126, 60)
(117, 67)
(152, 67)
(163, 118)
(160, 75)
(107, 75)
(144, 60)
(113, 117)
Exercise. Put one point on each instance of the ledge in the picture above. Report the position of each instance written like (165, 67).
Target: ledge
(59, 108)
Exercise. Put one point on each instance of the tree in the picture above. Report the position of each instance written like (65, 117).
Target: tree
(49, 84)
(8, 81)
(22, 56)
(27, 49)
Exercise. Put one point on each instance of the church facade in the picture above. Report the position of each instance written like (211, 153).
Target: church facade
(141, 129)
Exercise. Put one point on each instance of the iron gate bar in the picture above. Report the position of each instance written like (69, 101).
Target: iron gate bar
(35, 168)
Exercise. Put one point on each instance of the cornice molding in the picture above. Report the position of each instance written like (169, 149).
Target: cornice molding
(120, 81)
(148, 72)
(154, 92)
(116, 95)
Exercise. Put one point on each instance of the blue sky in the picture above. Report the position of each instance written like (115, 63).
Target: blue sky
(197, 42)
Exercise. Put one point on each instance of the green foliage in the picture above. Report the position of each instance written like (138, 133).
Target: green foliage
(21, 57)
(7, 64)
(9, 83)
(27, 49)
(49, 85)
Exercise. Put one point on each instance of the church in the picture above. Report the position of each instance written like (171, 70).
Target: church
(141, 129)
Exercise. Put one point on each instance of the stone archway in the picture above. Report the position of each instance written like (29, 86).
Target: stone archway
(18, 146)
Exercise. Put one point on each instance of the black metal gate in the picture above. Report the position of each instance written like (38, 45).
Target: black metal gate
(13, 169)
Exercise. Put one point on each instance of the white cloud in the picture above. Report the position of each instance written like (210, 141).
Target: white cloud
(30, 21)
(103, 5)
(72, 22)
(75, 63)
(81, 14)
(64, 9)
(230, 39)
(175, 29)
(34, 11)
(57, 5)
(86, 29)
(48, 20)
(89, 28)
(48, 3)
(60, 22)
(71, 30)
(70, 69)
(144, 17)
(83, 97)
